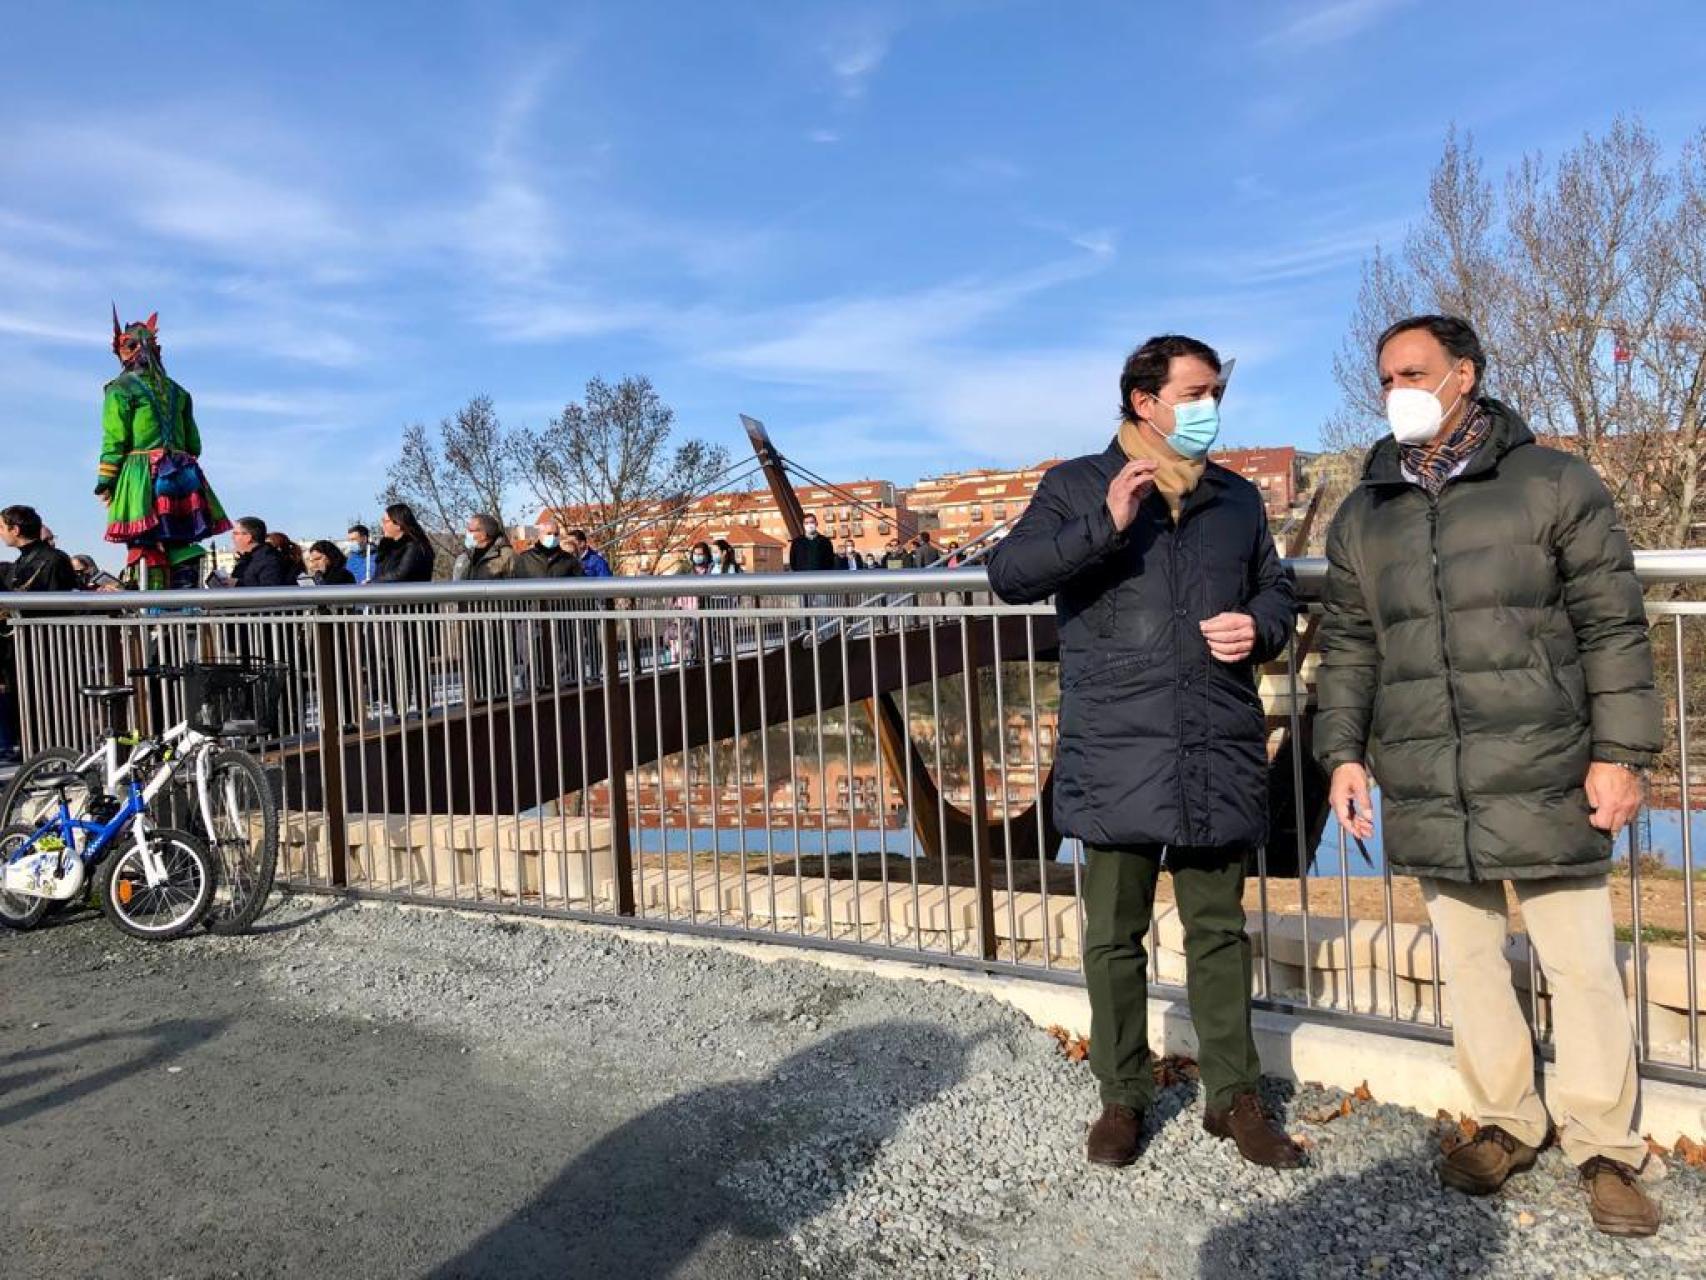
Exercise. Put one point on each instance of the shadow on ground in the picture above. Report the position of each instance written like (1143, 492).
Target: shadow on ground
(290, 923)
(157, 1045)
(1327, 1230)
(642, 1201)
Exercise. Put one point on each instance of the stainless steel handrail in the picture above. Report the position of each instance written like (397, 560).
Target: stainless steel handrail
(1653, 567)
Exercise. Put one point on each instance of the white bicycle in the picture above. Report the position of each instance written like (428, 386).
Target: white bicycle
(227, 800)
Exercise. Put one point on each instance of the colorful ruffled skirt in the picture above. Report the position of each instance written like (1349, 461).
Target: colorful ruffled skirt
(161, 497)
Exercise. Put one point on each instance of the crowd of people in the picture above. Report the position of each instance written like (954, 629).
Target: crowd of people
(405, 552)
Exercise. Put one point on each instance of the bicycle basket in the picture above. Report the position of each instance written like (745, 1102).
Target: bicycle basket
(239, 697)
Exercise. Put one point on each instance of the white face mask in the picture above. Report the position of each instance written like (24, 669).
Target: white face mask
(1415, 415)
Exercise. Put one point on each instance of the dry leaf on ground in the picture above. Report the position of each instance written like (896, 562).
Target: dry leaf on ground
(1690, 1152)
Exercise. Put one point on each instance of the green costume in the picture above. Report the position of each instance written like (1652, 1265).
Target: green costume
(157, 496)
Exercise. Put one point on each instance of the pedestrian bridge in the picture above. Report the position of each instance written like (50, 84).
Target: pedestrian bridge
(860, 762)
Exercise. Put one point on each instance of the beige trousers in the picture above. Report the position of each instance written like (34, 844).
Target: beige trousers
(1569, 926)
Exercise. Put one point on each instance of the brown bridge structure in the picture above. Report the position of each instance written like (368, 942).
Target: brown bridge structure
(572, 735)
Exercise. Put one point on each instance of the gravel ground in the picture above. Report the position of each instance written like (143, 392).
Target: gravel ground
(373, 1091)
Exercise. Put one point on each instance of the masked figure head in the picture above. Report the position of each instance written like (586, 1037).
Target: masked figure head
(137, 345)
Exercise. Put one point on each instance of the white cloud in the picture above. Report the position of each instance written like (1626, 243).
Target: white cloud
(874, 336)
(1311, 256)
(854, 58)
(24, 326)
(229, 208)
(1315, 25)
(512, 227)
(1019, 407)
(824, 135)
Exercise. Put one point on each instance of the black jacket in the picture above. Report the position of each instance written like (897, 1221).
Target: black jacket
(547, 562)
(1159, 743)
(262, 567)
(335, 578)
(1480, 650)
(403, 560)
(40, 567)
(807, 555)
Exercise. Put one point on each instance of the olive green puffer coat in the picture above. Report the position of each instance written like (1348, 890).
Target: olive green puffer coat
(1479, 651)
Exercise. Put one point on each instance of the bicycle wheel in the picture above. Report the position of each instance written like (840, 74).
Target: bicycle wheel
(24, 804)
(244, 839)
(169, 909)
(19, 910)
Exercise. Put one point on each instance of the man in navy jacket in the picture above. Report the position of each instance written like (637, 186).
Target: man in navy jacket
(1169, 593)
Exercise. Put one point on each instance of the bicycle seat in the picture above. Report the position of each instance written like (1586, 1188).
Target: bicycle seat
(59, 778)
(108, 692)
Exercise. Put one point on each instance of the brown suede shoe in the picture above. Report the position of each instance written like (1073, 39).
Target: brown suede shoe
(1618, 1203)
(1114, 1137)
(1259, 1140)
(1483, 1164)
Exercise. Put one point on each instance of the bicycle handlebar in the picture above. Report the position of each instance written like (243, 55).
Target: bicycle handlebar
(158, 672)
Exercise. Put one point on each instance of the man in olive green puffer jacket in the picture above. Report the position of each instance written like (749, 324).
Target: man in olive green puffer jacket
(1485, 654)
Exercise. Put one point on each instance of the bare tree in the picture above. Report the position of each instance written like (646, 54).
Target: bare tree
(447, 475)
(609, 463)
(1587, 281)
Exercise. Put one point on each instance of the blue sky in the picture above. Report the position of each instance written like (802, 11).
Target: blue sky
(911, 237)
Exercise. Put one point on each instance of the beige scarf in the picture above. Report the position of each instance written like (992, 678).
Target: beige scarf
(1175, 477)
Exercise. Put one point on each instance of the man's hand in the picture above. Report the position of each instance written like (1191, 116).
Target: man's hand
(1349, 798)
(1231, 636)
(1614, 794)
(1128, 489)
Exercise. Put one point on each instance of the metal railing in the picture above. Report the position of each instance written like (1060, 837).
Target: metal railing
(803, 757)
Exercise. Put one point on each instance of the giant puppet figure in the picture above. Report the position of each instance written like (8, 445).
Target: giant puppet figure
(159, 503)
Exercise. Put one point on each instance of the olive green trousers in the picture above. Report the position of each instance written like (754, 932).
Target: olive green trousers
(1119, 902)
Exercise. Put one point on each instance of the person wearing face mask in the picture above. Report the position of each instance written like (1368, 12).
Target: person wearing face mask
(490, 558)
(552, 643)
(1485, 655)
(1169, 594)
(682, 635)
(811, 552)
(358, 554)
(547, 557)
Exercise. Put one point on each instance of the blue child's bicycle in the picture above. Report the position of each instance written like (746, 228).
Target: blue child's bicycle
(156, 882)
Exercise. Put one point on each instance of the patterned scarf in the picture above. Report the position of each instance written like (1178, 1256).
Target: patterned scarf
(1432, 465)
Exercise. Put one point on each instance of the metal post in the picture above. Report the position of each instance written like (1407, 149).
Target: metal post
(971, 657)
(331, 753)
(616, 767)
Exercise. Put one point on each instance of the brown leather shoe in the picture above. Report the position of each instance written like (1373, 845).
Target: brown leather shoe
(1483, 1164)
(1259, 1140)
(1618, 1203)
(1114, 1137)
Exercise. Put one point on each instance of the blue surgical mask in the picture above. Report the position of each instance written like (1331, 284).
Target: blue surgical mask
(468, 541)
(1196, 426)
(548, 541)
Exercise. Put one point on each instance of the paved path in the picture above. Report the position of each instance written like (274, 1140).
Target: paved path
(368, 1091)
